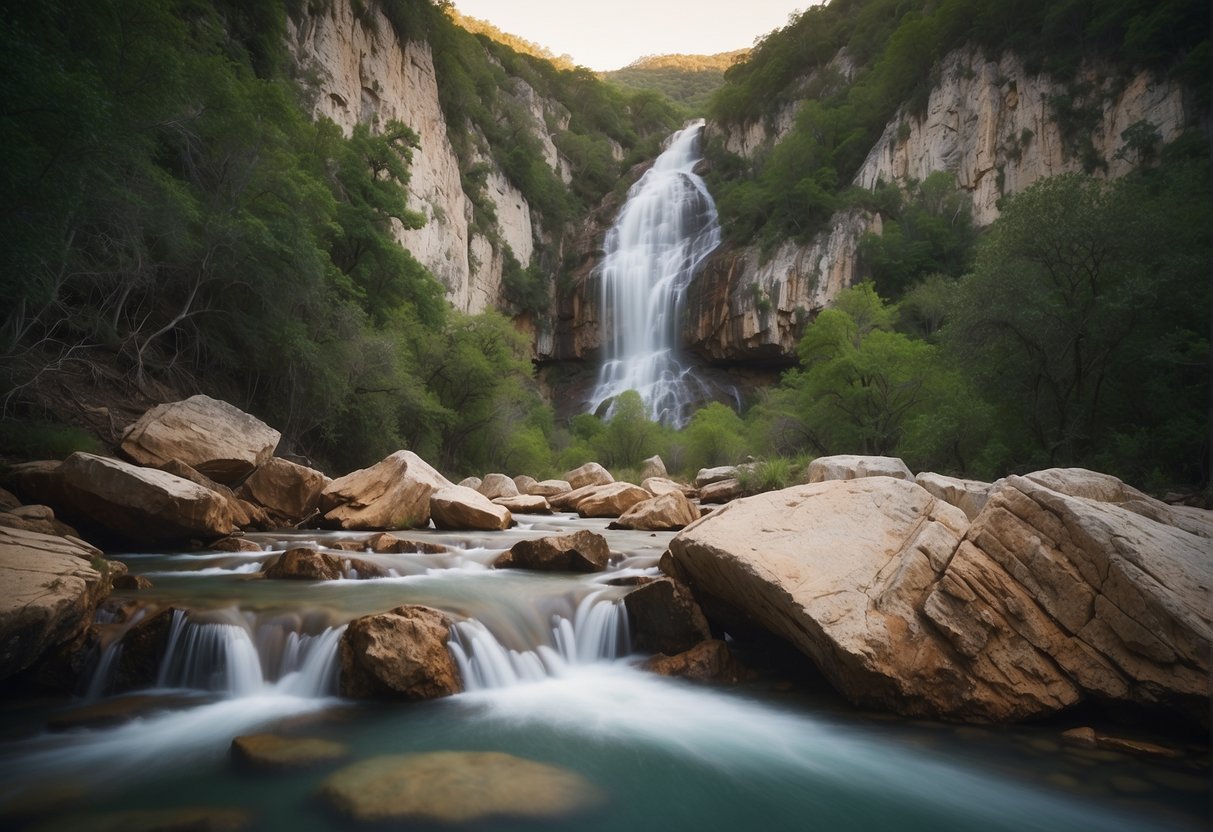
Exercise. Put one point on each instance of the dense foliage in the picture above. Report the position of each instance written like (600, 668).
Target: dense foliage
(688, 80)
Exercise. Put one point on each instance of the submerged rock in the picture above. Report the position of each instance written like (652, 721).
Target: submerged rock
(463, 509)
(707, 661)
(457, 787)
(582, 551)
(401, 654)
(302, 563)
(183, 819)
(392, 494)
(274, 752)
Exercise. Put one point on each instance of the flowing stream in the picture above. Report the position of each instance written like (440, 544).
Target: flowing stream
(550, 676)
(665, 230)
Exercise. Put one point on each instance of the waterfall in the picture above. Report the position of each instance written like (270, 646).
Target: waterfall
(666, 229)
(598, 631)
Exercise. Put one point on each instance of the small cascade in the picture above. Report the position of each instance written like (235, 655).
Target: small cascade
(101, 677)
(664, 232)
(598, 631)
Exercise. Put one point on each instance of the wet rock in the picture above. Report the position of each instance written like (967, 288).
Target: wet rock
(589, 474)
(497, 485)
(392, 494)
(385, 543)
(143, 647)
(707, 476)
(130, 582)
(669, 512)
(288, 491)
(117, 711)
(525, 504)
(401, 654)
(853, 467)
(457, 787)
(1090, 737)
(967, 495)
(664, 618)
(550, 488)
(708, 661)
(721, 491)
(219, 440)
(307, 564)
(611, 500)
(654, 466)
(236, 544)
(274, 752)
(461, 509)
(582, 551)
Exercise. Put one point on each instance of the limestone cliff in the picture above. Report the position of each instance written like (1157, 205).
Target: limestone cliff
(989, 123)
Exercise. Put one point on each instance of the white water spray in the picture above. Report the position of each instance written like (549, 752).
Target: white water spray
(664, 232)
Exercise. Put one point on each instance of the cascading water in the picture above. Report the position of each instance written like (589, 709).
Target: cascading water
(664, 232)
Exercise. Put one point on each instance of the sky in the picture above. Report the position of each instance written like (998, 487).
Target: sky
(611, 34)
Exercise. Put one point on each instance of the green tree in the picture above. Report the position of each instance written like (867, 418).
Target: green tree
(630, 435)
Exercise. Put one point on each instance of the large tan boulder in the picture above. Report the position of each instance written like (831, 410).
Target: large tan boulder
(569, 500)
(49, 591)
(654, 466)
(581, 551)
(661, 485)
(707, 476)
(721, 491)
(392, 494)
(589, 474)
(611, 500)
(467, 789)
(497, 485)
(851, 467)
(1044, 600)
(459, 508)
(401, 654)
(289, 491)
(244, 514)
(220, 440)
(143, 506)
(525, 504)
(669, 512)
(969, 496)
(524, 483)
(549, 488)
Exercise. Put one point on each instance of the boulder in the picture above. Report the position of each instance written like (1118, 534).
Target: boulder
(569, 500)
(669, 512)
(222, 441)
(273, 752)
(471, 482)
(660, 485)
(721, 491)
(469, 788)
(664, 618)
(525, 504)
(654, 466)
(384, 543)
(40, 519)
(967, 495)
(582, 551)
(550, 488)
(304, 564)
(524, 483)
(708, 661)
(707, 476)
(131, 582)
(143, 506)
(392, 494)
(459, 508)
(8, 500)
(244, 514)
(37, 482)
(49, 591)
(589, 474)
(853, 467)
(611, 500)
(236, 544)
(288, 491)
(401, 654)
(497, 485)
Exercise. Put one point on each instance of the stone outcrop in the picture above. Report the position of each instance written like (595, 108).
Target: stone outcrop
(49, 591)
(969, 496)
(589, 474)
(392, 494)
(459, 508)
(852, 467)
(582, 551)
(401, 654)
(142, 506)
(1044, 600)
(288, 491)
(611, 500)
(219, 440)
(669, 512)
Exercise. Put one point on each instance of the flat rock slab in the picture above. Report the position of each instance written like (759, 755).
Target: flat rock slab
(457, 787)
(276, 752)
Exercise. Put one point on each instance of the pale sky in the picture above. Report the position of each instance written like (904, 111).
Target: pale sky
(609, 34)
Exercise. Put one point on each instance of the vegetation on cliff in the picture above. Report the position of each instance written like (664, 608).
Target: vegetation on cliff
(688, 80)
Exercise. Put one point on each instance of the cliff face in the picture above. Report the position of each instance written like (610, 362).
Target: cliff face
(364, 74)
(989, 123)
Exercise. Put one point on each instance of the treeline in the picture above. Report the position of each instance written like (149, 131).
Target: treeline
(894, 48)
(689, 80)
(171, 215)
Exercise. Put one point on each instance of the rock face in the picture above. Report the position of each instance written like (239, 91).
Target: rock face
(392, 494)
(288, 490)
(456, 507)
(849, 467)
(589, 474)
(457, 787)
(669, 512)
(611, 500)
(401, 654)
(142, 505)
(1043, 601)
(582, 551)
(49, 592)
(219, 440)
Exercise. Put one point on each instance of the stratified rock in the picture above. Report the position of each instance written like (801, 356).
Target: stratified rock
(401, 654)
(550, 488)
(459, 508)
(589, 474)
(853, 467)
(612, 500)
(274, 752)
(497, 485)
(525, 504)
(721, 491)
(457, 787)
(967, 495)
(654, 466)
(48, 595)
(660, 485)
(143, 505)
(289, 491)
(582, 551)
(707, 476)
(222, 441)
(392, 494)
(708, 661)
(664, 618)
(306, 564)
(524, 483)
(669, 512)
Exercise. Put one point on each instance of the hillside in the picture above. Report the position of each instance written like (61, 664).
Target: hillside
(689, 80)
